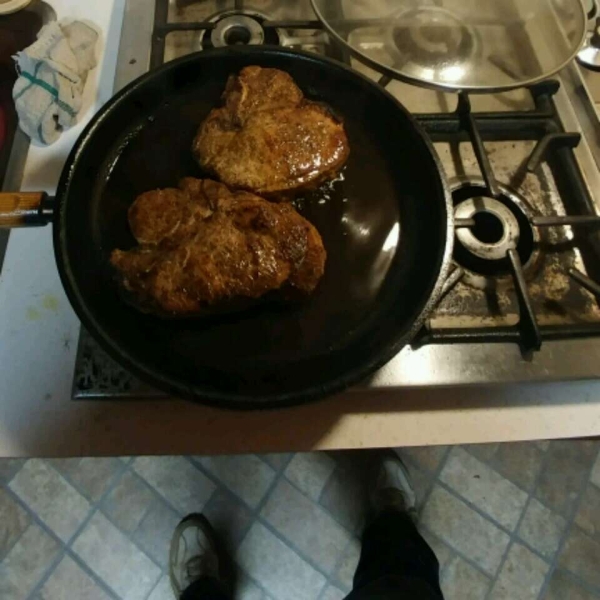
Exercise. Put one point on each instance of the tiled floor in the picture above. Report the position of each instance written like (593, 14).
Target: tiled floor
(507, 521)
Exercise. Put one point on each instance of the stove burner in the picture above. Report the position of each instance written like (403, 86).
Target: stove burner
(234, 28)
(237, 30)
(501, 224)
(435, 39)
(496, 229)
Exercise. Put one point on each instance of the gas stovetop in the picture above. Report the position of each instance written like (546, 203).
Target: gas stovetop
(521, 303)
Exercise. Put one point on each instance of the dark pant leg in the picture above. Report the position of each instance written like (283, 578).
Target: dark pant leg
(395, 562)
(206, 588)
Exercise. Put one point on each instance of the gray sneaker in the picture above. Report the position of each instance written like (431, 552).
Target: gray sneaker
(193, 553)
(393, 488)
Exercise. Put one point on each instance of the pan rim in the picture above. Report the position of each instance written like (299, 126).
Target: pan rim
(234, 400)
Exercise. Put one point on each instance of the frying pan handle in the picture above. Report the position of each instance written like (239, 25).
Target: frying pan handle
(24, 209)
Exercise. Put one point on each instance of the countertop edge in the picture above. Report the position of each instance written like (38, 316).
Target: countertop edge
(356, 419)
(39, 332)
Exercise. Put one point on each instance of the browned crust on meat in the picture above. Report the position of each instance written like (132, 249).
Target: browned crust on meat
(267, 138)
(202, 246)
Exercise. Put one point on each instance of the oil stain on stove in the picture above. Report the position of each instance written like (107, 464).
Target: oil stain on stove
(485, 298)
(97, 375)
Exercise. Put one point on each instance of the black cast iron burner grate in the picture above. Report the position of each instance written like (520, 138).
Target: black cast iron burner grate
(553, 144)
(542, 124)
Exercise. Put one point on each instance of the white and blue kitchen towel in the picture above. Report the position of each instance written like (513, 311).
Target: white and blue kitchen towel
(52, 75)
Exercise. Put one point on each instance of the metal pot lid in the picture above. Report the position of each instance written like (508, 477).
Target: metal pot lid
(476, 45)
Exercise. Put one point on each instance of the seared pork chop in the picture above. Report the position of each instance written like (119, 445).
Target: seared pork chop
(201, 245)
(267, 138)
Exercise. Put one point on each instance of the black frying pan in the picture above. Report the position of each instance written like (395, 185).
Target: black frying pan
(387, 228)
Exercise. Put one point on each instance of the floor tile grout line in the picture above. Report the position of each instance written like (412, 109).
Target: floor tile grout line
(129, 535)
(223, 485)
(116, 475)
(588, 587)
(220, 484)
(503, 528)
(494, 578)
(214, 480)
(254, 512)
(265, 498)
(355, 536)
(255, 581)
(132, 535)
(492, 467)
(570, 523)
(322, 592)
(284, 464)
(46, 529)
(90, 573)
(102, 503)
(346, 529)
(27, 512)
(485, 461)
(490, 463)
(568, 527)
(463, 557)
(154, 587)
(487, 517)
(469, 561)
(510, 533)
(98, 508)
(47, 573)
(532, 549)
(334, 578)
(12, 475)
(256, 518)
(435, 477)
(67, 546)
(264, 522)
(514, 537)
(267, 494)
(329, 478)
(280, 474)
(155, 490)
(35, 519)
(292, 547)
(93, 510)
(63, 551)
(354, 532)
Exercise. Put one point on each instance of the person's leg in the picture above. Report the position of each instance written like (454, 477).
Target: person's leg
(395, 561)
(204, 589)
(195, 567)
